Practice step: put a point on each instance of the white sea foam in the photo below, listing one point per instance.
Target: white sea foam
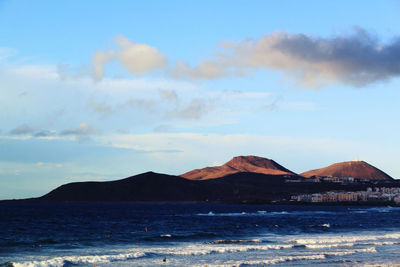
(166, 235)
(360, 211)
(350, 251)
(322, 246)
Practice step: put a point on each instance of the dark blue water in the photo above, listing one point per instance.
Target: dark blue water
(125, 234)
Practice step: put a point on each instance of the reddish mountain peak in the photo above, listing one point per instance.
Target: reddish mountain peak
(357, 169)
(240, 161)
(239, 164)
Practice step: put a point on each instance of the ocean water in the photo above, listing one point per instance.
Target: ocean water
(126, 234)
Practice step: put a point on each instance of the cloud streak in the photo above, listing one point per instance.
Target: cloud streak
(27, 130)
(22, 129)
(357, 59)
(83, 129)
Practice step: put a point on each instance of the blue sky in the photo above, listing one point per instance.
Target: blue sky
(96, 91)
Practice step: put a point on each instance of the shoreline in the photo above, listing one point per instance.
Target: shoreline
(249, 203)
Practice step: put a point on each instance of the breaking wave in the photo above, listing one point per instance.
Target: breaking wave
(73, 260)
(329, 239)
(281, 259)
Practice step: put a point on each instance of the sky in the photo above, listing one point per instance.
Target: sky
(96, 91)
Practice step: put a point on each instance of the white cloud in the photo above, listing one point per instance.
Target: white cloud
(136, 58)
(100, 58)
(139, 59)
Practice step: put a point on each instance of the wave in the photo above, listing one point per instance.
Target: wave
(258, 213)
(199, 249)
(281, 259)
(74, 260)
(384, 209)
(196, 250)
(276, 260)
(384, 243)
(269, 213)
(351, 251)
(226, 214)
(376, 209)
(176, 237)
(329, 239)
(218, 242)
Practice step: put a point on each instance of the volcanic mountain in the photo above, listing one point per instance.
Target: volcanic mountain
(239, 164)
(356, 169)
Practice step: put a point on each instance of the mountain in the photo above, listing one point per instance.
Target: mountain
(239, 164)
(356, 169)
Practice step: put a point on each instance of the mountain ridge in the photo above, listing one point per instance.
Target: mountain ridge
(245, 184)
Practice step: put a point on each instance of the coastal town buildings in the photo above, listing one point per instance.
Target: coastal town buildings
(378, 194)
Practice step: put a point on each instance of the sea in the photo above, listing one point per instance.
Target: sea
(132, 234)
